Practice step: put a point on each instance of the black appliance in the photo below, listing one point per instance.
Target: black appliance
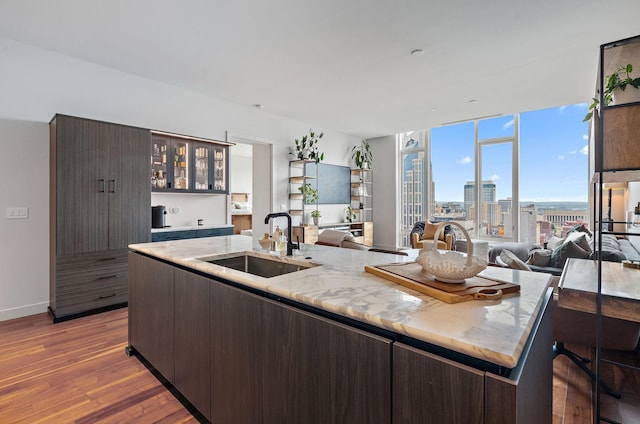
(158, 216)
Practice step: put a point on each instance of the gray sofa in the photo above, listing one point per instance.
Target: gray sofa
(551, 260)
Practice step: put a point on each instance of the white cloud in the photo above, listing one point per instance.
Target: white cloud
(585, 150)
(561, 157)
(585, 137)
(508, 124)
(465, 160)
(572, 152)
(494, 177)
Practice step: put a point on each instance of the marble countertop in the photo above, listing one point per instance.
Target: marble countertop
(495, 331)
(191, 227)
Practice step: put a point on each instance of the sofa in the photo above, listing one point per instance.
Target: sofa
(424, 231)
(579, 243)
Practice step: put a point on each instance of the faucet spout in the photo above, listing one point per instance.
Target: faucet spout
(290, 244)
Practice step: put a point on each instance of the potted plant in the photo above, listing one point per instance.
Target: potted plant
(362, 156)
(316, 214)
(307, 147)
(351, 214)
(619, 80)
(309, 193)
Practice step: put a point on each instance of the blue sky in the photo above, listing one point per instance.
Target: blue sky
(553, 156)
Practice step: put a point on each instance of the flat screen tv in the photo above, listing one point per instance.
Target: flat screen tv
(333, 182)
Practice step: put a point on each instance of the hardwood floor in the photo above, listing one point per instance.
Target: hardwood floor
(77, 372)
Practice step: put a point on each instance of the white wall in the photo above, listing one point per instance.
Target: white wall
(36, 84)
(24, 258)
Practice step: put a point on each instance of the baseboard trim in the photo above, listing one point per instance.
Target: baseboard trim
(23, 311)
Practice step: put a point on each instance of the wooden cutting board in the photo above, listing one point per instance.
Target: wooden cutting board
(411, 274)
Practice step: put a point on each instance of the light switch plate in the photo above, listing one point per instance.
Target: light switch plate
(17, 213)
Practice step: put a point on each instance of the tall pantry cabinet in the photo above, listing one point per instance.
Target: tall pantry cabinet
(100, 197)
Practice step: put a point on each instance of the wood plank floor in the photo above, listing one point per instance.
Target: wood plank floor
(77, 372)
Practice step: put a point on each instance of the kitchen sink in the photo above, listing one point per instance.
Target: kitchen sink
(266, 266)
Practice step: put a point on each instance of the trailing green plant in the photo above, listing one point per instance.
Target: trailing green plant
(361, 154)
(309, 193)
(620, 79)
(316, 213)
(307, 147)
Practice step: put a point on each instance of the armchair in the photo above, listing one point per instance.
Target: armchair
(423, 231)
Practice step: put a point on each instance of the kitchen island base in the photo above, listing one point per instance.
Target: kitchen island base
(238, 354)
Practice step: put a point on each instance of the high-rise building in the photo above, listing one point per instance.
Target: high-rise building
(487, 195)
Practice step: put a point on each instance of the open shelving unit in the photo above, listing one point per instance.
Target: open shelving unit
(362, 194)
(297, 179)
(615, 145)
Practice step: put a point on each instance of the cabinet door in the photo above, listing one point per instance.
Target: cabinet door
(80, 178)
(202, 167)
(237, 344)
(193, 340)
(181, 164)
(151, 314)
(220, 169)
(430, 389)
(319, 371)
(128, 185)
(160, 157)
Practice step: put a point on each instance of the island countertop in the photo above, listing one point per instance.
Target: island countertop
(494, 331)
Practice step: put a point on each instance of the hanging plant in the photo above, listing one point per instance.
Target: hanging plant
(307, 147)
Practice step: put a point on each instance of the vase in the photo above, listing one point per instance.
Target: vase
(316, 220)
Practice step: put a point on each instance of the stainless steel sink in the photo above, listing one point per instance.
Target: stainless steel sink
(262, 265)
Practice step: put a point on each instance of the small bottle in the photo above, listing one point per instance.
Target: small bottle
(281, 243)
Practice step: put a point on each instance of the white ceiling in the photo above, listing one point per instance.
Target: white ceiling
(344, 65)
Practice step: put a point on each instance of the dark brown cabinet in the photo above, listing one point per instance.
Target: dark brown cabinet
(431, 389)
(151, 312)
(99, 205)
(261, 360)
(192, 340)
(320, 371)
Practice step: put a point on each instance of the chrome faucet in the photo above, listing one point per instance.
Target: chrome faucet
(290, 244)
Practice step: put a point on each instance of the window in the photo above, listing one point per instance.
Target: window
(530, 168)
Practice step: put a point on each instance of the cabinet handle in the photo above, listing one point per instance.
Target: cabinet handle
(107, 277)
(169, 184)
(101, 185)
(107, 259)
(113, 185)
(210, 186)
(107, 296)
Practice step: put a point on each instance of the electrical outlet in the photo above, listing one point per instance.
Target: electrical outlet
(17, 213)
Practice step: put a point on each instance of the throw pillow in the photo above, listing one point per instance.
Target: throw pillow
(567, 250)
(580, 228)
(581, 239)
(513, 261)
(430, 231)
(554, 242)
(539, 257)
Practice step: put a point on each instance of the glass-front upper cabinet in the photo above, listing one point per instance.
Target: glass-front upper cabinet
(221, 169)
(182, 164)
(159, 163)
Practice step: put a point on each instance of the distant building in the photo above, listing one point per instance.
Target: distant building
(563, 220)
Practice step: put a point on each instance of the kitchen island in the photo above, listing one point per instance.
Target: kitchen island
(332, 343)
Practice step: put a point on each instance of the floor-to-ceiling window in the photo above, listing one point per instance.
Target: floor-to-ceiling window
(519, 177)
